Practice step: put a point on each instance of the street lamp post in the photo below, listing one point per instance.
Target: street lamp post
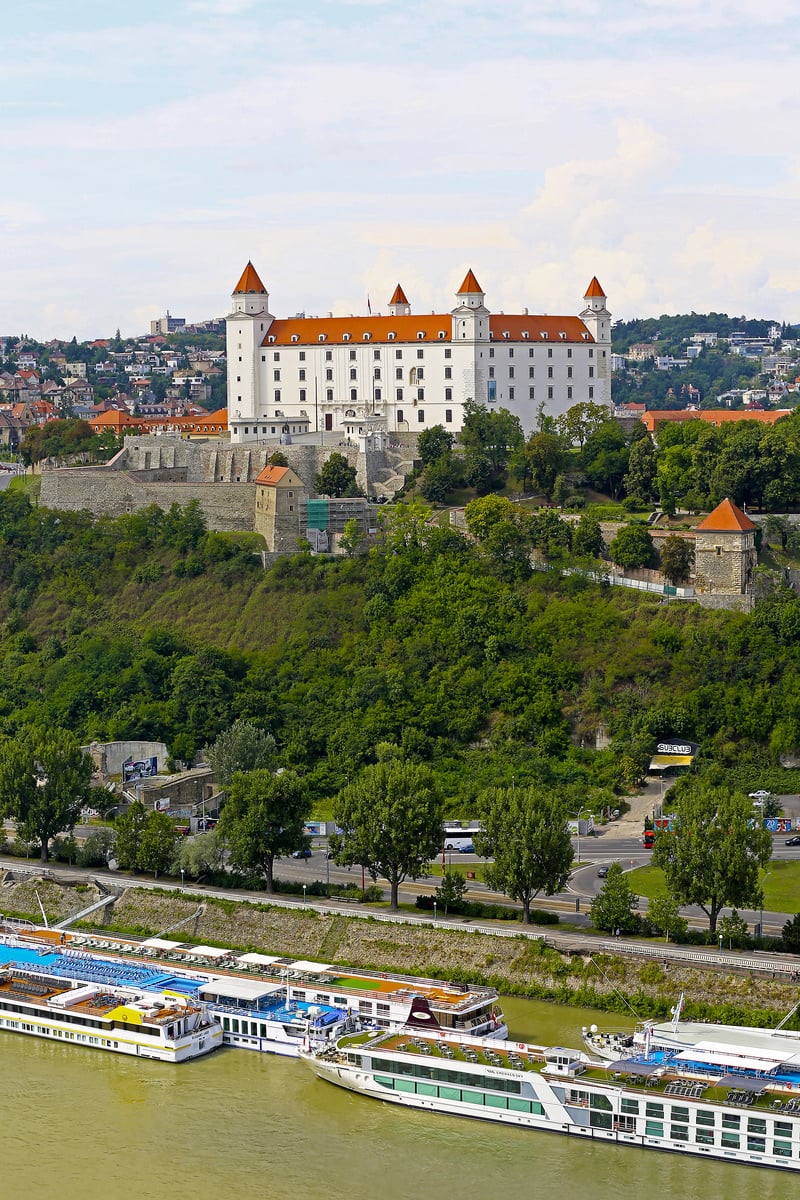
(182, 874)
(434, 910)
(720, 943)
(304, 895)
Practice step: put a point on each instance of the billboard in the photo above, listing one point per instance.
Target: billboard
(778, 824)
(142, 768)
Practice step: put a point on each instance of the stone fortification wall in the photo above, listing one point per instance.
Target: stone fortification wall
(171, 470)
(118, 492)
(735, 603)
(108, 757)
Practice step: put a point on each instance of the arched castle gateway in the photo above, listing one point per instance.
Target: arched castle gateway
(405, 373)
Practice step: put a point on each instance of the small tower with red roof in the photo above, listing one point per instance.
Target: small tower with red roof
(470, 316)
(725, 552)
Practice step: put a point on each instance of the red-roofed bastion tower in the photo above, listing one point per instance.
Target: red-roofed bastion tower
(597, 320)
(725, 552)
(246, 327)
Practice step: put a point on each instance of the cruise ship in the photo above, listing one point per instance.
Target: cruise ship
(725, 1097)
(122, 1020)
(263, 1002)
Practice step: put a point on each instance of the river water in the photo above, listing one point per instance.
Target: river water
(78, 1124)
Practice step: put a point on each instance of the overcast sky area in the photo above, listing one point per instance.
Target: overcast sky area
(151, 149)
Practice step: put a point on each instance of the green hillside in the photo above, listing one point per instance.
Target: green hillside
(149, 626)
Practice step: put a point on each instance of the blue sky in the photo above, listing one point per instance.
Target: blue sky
(150, 149)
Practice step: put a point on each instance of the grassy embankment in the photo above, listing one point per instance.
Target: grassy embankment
(514, 965)
(781, 885)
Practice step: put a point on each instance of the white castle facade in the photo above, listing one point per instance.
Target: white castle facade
(402, 373)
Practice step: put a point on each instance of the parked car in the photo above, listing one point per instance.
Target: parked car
(301, 853)
(793, 841)
(602, 872)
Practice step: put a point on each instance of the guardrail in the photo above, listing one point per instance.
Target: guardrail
(706, 957)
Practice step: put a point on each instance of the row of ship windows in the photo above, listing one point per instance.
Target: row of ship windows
(443, 1074)
(461, 1095)
(66, 1034)
(416, 374)
(679, 1113)
(378, 354)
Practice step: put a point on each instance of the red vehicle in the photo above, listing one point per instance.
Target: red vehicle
(648, 839)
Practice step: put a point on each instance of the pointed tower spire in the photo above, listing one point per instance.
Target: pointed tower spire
(249, 282)
(398, 305)
(594, 289)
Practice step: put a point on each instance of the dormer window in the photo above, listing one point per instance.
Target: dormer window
(323, 337)
(367, 336)
(392, 336)
(295, 337)
(442, 335)
(525, 334)
(420, 335)
(585, 337)
(345, 337)
(544, 335)
(271, 338)
(506, 334)
(563, 336)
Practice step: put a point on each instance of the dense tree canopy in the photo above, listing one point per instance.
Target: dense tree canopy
(526, 834)
(391, 821)
(715, 854)
(44, 782)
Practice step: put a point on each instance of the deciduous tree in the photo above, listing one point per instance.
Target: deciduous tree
(44, 782)
(716, 853)
(337, 477)
(632, 547)
(613, 906)
(391, 821)
(525, 832)
(263, 819)
(677, 557)
(243, 747)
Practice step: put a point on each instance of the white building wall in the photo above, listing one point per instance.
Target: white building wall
(273, 383)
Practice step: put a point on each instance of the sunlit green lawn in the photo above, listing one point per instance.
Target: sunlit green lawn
(781, 885)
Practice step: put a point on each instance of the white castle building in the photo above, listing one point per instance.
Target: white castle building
(404, 373)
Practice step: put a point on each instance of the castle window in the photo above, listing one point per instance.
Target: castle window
(346, 338)
(531, 372)
(392, 336)
(448, 372)
(525, 334)
(591, 352)
(441, 335)
(328, 356)
(376, 373)
(263, 358)
(377, 393)
(421, 416)
(448, 393)
(531, 393)
(544, 335)
(412, 375)
(353, 373)
(301, 374)
(352, 355)
(238, 379)
(322, 337)
(420, 354)
(448, 352)
(511, 393)
(271, 338)
(549, 393)
(376, 354)
(302, 356)
(353, 394)
(420, 393)
(295, 337)
(276, 356)
(399, 394)
(530, 353)
(329, 373)
(399, 413)
(569, 352)
(510, 372)
(717, 548)
(549, 372)
(506, 334)
(591, 393)
(329, 395)
(569, 393)
(511, 352)
(420, 335)
(491, 372)
(491, 352)
(366, 336)
(585, 337)
(302, 395)
(398, 372)
(291, 495)
(276, 375)
(398, 353)
(549, 351)
(591, 372)
(569, 372)
(563, 336)
(448, 416)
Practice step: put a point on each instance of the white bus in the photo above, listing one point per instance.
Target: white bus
(460, 837)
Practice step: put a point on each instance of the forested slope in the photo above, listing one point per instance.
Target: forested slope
(149, 626)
